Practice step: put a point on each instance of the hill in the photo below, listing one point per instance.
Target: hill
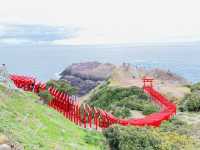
(31, 126)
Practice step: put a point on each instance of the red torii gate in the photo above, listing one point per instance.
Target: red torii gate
(148, 82)
(95, 117)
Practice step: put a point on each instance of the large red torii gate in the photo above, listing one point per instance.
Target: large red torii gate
(148, 82)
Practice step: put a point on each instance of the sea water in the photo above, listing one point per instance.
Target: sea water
(46, 62)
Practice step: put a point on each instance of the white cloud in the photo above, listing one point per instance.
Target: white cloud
(34, 34)
(110, 21)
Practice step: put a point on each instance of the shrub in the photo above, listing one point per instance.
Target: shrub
(175, 125)
(131, 138)
(122, 112)
(45, 96)
(191, 102)
(120, 101)
(137, 138)
(195, 87)
(149, 109)
(62, 86)
(93, 138)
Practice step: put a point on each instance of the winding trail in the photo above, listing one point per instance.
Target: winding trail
(91, 117)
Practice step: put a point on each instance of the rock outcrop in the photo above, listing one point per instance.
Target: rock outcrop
(86, 76)
(163, 75)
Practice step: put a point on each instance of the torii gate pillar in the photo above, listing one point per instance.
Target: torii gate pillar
(148, 82)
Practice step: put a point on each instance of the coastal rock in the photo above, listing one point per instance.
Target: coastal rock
(89, 70)
(86, 76)
(167, 75)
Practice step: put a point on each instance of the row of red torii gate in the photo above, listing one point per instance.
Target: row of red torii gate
(91, 117)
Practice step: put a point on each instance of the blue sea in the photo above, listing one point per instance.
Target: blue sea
(45, 61)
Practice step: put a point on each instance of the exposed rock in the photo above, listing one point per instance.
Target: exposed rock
(86, 76)
(89, 70)
(167, 75)
(5, 147)
(159, 74)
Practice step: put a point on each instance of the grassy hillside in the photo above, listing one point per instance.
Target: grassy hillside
(37, 127)
(121, 101)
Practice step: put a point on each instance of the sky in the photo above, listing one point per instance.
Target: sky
(68, 22)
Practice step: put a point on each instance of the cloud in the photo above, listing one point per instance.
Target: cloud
(35, 34)
(109, 21)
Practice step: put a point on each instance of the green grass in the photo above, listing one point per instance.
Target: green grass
(121, 101)
(37, 127)
(148, 138)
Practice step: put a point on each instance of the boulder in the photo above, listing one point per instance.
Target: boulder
(5, 147)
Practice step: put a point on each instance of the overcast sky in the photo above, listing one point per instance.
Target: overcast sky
(99, 21)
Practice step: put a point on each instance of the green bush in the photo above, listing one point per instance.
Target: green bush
(137, 138)
(120, 101)
(45, 96)
(93, 138)
(195, 87)
(149, 109)
(191, 102)
(132, 102)
(131, 138)
(175, 125)
(122, 112)
(62, 86)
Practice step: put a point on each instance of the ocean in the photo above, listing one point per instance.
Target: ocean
(45, 62)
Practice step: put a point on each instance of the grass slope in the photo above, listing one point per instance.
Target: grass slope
(121, 101)
(37, 127)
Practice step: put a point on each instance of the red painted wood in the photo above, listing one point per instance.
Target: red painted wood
(72, 110)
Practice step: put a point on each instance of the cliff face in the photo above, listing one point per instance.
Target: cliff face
(86, 76)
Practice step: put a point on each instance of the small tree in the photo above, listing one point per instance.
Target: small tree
(62, 86)
(195, 87)
(149, 109)
(45, 96)
(191, 102)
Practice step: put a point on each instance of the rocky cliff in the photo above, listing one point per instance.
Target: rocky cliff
(86, 76)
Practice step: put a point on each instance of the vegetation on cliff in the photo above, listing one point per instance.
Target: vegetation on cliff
(121, 101)
(191, 102)
(60, 85)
